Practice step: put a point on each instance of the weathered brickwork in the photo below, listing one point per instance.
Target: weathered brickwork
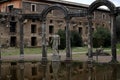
(55, 21)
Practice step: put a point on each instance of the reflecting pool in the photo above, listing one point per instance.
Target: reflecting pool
(74, 70)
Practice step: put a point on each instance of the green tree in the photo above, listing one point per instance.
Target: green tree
(101, 37)
(76, 39)
(62, 35)
(118, 28)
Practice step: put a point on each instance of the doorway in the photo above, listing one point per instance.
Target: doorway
(33, 41)
(13, 41)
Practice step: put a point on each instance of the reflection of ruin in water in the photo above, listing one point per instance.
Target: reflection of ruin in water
(79, 71)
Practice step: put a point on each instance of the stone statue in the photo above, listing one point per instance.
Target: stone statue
(55, 43)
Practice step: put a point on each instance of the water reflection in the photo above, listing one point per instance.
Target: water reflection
(73, 71)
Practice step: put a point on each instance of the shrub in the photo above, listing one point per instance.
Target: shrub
(101, 37)
(76, 39)
(62, 35)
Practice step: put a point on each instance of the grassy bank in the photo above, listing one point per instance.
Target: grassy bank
(16, 51)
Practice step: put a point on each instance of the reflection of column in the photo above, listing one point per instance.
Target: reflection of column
(114, 72)
(113, 38)
(0, 69)
(68, 68)
(91, 76)
(44, 71)
(44, 52)
(21, 70)
(9, 76)
(90, 38)
(68, 43)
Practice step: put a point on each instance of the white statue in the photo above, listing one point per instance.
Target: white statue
(55, 43)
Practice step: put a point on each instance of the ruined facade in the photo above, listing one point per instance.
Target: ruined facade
(55, 21)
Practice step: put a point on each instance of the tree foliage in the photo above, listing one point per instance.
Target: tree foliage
(118, 28)
(76, 39)
(101, 37)
(62, 35)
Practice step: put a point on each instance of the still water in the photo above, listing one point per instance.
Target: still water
(63, 71)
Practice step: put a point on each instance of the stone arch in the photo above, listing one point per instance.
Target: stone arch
(43, 19)
(54, 7)
(113, 12)
(99, 3)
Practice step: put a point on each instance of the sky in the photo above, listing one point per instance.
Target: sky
(116, 2)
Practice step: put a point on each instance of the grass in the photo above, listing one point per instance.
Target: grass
(79, 49)
(16, 51)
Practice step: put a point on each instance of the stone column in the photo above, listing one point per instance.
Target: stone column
(68, 42)
(21, 61)
(21, 39)
(44, 51)
(113, 37)
(90, 46)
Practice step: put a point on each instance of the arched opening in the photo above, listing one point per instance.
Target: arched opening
(99, 3)
(51, 30)
(54, 7)
(96, 4)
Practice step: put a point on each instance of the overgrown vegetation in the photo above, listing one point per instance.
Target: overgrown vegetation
(101, 37)
(62, 35)
(76, 39)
